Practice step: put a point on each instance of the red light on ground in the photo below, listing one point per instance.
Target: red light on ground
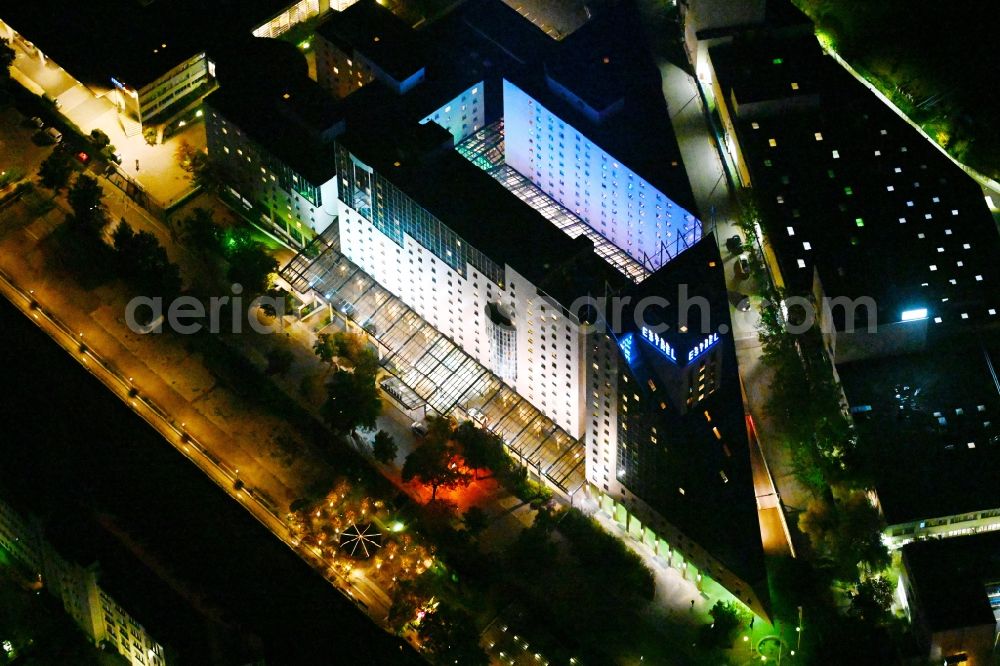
(83, 157)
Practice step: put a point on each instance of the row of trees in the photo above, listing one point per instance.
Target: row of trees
(842, 525)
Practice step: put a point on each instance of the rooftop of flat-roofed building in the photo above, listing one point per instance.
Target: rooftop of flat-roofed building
(929, 426)
(501, 25)
(422, 164)
(133, 42)
(640, 134)
(266, 92)
(768, 69)
(950, 577)
(379, 35)
(848, 188)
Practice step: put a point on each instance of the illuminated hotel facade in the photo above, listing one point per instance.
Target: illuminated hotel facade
(607, 195)
(654, 399)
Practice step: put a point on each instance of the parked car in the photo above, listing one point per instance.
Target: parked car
(742, 268)
(53, 134)
(734, 244)
(743, 303)
(36, 122)
(419, 428)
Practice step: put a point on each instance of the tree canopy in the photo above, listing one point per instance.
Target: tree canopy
(352, 402)
(252, 267)
(86, 198)
(55, 170)
(144, 262)
(450, 634)
(435, 463)
(384, 447)
(481, 448)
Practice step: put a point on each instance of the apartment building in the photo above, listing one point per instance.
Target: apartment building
(98, 615)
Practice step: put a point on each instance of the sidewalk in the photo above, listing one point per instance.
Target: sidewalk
(167, 386)
(717, 205)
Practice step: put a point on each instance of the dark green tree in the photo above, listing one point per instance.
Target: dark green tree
(435, 463)
(55, 170)
(99, 138)
(144, 262)
(727, 620)
(326, 349)
(451, 636)
(86, 199)
(352, 402)
(845, 535)
(201, 233)
(476, 520)
(481, 449)
(279, 361)
(384, 447)
(872, 599)
(251, 266)
(7, 56)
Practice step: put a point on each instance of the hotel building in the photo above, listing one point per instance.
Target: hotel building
(269, 130)
(483, 256)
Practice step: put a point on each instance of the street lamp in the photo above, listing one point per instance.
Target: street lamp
(798, 630)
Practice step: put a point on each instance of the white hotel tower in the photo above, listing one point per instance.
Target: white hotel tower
(501, 232)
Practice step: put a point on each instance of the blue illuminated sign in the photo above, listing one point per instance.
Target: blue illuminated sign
(117, 83)
(625, 344)
(703, 346)
(653, 338)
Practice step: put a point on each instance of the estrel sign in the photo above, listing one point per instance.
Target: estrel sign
(625, 344)
(653, 338)
(702, 346)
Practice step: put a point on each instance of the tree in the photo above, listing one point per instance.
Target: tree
(7, 56)
(352, 402)
(201, 232)
(450, 634)
(872, 600)
(727, 620)
(279, 361)
(384, 447)
(435, 463)
(252, 267)
(86, 200)
(187, 156)
(99, 138)
(213, 177)
(144, 261)
(860, 534)
(481, 448)
(55, 170)
(326, 348)
(846, 534)
(476, 520)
